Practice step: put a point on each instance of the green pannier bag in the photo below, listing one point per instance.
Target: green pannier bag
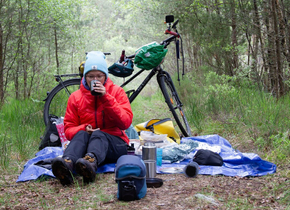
(149, 56)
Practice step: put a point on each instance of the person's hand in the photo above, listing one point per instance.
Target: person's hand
(90, 129)
(100, 88)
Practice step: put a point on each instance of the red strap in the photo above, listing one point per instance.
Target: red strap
(172, 33)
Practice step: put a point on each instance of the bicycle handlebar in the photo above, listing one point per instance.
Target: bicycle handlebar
(174, 24)
(65, 75)
(165, 42)
(172, 33)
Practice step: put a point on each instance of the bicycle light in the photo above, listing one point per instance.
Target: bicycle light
(93, 92)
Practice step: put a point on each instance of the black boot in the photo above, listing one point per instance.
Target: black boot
(62, 168)
(87, 167)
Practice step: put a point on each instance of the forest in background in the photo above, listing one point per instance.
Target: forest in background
(236, 85)
(236, 57)
(246, 39)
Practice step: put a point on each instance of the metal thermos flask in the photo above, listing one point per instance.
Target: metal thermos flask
(149, 158)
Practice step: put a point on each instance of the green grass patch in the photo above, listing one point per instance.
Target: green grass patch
(21, 127)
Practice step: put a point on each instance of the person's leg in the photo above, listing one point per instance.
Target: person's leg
(107, 148)
(77, 147)
(102, 148)
(62, 167)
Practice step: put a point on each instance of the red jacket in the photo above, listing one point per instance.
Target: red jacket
(111, 113)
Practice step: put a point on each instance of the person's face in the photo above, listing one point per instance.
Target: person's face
(95, 75)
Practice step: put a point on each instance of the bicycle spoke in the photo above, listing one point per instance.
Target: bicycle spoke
(56, 101)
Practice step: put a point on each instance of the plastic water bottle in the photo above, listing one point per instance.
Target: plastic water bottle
(159, 156)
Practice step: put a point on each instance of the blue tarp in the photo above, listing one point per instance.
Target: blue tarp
(235, 162)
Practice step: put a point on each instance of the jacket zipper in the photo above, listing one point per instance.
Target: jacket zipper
(103, 118)
(96, 112)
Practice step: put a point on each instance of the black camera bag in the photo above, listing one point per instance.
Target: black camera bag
(130, 174)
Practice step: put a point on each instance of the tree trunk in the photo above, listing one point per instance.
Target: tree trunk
(270, 49)
(279, 82)
(234, 39)
(1, 66)
(285, 39)
(16, 82)
(259, 72)
(56, 49)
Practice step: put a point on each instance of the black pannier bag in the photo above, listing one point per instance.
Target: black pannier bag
(50, 137)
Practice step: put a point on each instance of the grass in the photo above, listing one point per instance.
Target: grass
(215, 107)
(253, 121)
(21, 127)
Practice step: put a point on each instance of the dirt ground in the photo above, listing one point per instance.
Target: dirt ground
(177, 192)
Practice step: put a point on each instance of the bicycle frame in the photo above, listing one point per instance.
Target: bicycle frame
(134, 93)
(63, 90)
(142, 85)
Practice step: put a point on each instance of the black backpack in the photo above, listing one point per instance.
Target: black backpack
(207, 157)
(50, 137)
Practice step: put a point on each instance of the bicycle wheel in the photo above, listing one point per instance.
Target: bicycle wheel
(174, 104)
(56, 101)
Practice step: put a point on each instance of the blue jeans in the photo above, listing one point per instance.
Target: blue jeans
(106, 148)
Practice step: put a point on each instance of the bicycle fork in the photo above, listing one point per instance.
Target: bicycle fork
(163, 73)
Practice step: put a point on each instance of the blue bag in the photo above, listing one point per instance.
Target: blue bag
(130, 174)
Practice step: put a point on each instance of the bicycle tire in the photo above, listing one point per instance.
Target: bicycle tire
(174, 104)
(56, 101)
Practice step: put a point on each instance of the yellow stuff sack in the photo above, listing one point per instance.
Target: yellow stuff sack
(81, 68)
(160, 126)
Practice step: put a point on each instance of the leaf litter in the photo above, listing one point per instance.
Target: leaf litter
(177, 192)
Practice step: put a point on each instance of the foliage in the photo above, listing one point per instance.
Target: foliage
(216, 106)
(280, 147)
(21, 126)
(47, 37)
(231, 87)
(235, 102)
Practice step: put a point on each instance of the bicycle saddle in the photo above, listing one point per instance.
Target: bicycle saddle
(123, 69)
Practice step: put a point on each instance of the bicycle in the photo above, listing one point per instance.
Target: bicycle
(55, 102)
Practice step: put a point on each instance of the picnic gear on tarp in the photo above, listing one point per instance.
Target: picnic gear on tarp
(50, 137)
(150, 55)
(191, 169)
(208, 158)
(131, 149)
(149, 158)
(160, 126)
(131, 132)
(154, 182)
(130, 174)
(46, 163)
(159, 156)
(235, 163)
(160, 140)
(177, 152)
